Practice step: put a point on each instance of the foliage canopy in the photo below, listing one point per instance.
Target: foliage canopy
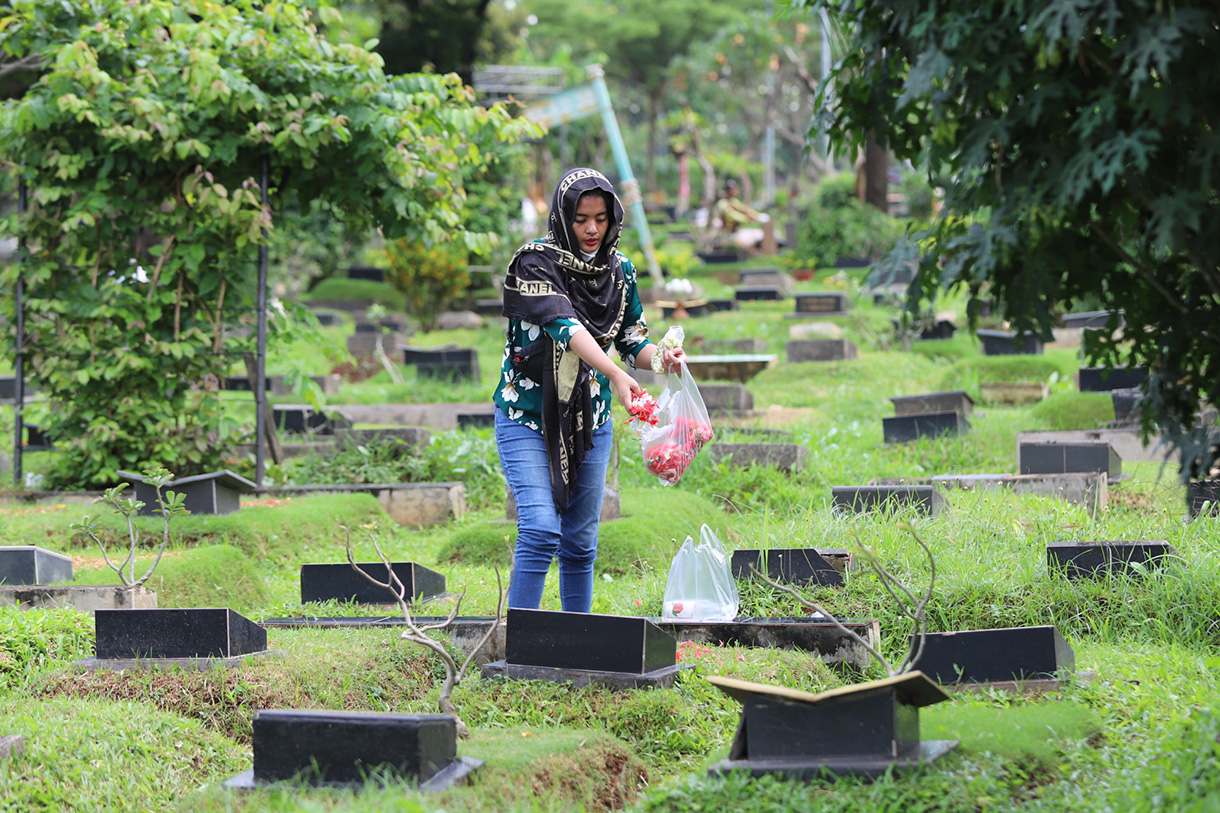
(1077, 143)
(142, 144)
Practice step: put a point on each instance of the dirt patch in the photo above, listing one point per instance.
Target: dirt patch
(603, 777)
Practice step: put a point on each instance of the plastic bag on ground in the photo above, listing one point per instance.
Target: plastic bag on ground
(681, 431)
(701, 585)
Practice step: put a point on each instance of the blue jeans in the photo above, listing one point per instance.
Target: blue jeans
(542, 532)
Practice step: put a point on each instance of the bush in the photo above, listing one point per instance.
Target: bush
(854, 229)
(429, 277)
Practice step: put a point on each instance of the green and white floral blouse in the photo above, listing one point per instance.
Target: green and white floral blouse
(521, 399)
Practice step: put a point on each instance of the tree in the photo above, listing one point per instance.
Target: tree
(142, 144)
(1078, 146)
(638, 39)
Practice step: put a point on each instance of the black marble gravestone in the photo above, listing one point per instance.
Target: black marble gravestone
(366, 272)
(476, 420)
(323, 582)
(217, 492)
(719, 257)
(1202, 494)
(943, 329)
(1069, 458)
(925, 499)
(1084, 560)
(8, 388)
(758, 293)
(717, 305)
(37, 440)
(787, 566)
(1091, 319)
(1101, 379)
(1006, 343)
(27, 564)
(301, 418)
(454, 363)
(1125, 402)
(176, 633)
(985, 656)
(826, 303)
(956, 400)
(905, 428)
(336, 748)
(861, 730)
(606, 643)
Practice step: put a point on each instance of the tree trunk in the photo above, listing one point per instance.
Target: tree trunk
(273, 440)
(876, 173)
(654, 112)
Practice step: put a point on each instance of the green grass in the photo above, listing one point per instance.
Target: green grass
(356, 290)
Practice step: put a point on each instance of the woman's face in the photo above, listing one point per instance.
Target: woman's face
(590, 223)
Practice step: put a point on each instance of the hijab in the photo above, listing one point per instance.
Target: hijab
(548, 279)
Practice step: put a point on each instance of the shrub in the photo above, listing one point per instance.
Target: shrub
(429, 277)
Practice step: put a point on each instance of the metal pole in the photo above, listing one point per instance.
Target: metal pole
(631, 188)
(260, 385)
(824, 138)
(19, 342)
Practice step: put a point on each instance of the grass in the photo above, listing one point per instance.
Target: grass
(1140, 736)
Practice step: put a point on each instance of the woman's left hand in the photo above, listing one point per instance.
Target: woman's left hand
(672, 360)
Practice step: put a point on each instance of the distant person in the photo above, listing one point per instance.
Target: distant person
(568, 297)
(735, 216)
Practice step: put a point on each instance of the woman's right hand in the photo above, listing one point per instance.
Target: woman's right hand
(626, 388)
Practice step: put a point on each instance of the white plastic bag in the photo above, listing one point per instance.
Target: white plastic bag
(701, 585)
(682, 430)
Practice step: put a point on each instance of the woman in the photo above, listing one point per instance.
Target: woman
(568, 297)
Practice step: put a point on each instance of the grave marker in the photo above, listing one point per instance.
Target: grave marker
(217, 492)
(1101, 379)
(584, 648)
(955, 400)
(861, 730)
(342, 748)
(985, 656)
(177, 633)
(1013, 392)
(1082, 560)
(1202, 494)
(787, 566)
(338, 581)
(300, 418)
(1006, 343)
(924, 499)
(726, 398)
(758, 293)
(906, 428)
(27, 564)
(453, 363)
(739, 368)
(826, 303)
(767, 278)
(1068, 458)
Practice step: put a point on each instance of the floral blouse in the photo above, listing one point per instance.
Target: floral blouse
(520, 398)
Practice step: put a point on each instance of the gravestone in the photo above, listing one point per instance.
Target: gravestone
(453, 363)
(1082, 560)
(217, 492)
(370, 273)
(906, 428)
(740, 368)
(985, 656)
(942, 329)
(736, 346)
(176, 633)
(798, 350)
(767, 278)
(27, 564)
(1091, 319)
(787, 457)
(338, 581)
(864, 729)
(758, 293)
(1203, 494)
(327, 318)
(726, 398)
(717, 305)
(8, 388)
(37, 440)
(583, 648)
(1124, 402)
(1065, 458)
(343, 748)
(825, 303)
(924, 499)
(815, 330)
(1101, 379)
(719, 257)
(787, 566)
(301, 418)
(949, 400)
(1006, 343)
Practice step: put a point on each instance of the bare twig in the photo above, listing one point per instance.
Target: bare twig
(811, 605)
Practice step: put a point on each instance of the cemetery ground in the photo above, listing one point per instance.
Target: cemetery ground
(1135, 730)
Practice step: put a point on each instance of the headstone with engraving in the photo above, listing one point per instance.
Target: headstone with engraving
(824, 303)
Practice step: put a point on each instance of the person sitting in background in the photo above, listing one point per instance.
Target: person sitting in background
(734, 217)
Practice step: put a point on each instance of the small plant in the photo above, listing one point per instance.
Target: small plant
(170, 505)
(418, 634)
(430, 277)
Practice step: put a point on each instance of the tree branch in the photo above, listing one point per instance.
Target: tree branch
(1140, 268)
